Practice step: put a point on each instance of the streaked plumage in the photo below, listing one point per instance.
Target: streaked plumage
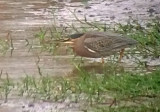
(99, 44)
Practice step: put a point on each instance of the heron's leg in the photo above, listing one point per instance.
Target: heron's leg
(74, 57)
(102, 59)
(82, 61)
(121, 55)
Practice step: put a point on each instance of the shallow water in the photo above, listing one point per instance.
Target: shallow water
(23, 19)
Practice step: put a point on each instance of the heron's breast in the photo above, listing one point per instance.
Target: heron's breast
(80, 49)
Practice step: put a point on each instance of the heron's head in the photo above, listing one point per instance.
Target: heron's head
(72, 38)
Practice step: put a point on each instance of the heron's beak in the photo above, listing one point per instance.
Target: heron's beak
(69, 42)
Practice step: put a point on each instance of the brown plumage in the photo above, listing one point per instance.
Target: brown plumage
(99, 44)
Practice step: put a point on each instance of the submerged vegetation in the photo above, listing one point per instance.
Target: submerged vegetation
(114, 89)
(5, 44)
(148, 36)
(111, 91)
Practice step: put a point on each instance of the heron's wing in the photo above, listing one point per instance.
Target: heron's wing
(101, 42)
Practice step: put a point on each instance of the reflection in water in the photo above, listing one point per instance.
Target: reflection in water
(98, 68)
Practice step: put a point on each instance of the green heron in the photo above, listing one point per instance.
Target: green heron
(99, 44)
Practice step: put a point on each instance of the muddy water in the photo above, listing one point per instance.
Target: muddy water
(23, 19)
